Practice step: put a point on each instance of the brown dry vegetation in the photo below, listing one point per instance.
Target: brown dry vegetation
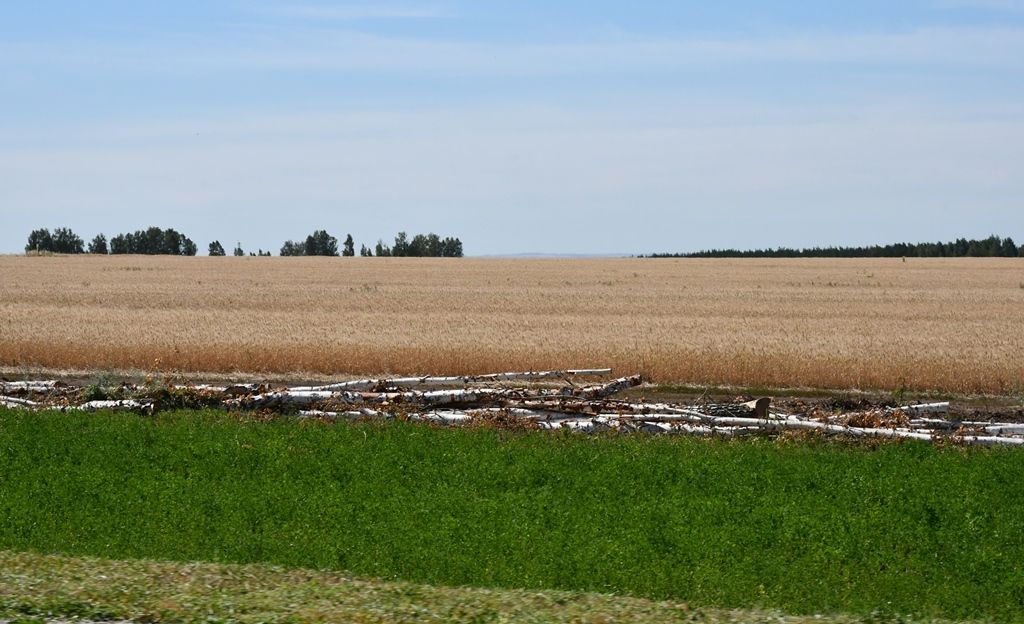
(944, 324)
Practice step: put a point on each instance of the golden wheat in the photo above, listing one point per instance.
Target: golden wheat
(942, 324)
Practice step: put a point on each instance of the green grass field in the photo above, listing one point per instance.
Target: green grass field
(803, 527)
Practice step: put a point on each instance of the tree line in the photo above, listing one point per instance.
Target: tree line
(157, 241)
(151, 241)
(321, 243)
(993, 246)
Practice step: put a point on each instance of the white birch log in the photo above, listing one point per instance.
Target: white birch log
(6, 401)
(953, 425)
(527, 414)
(294, 398)
(608, 389)
(405, 382)
(672, 424)
(450, 397)
(584, 425)
(200, 387)
(689, 422)
(989, 440)
(29, 386)
(232, 390)
(1004, 429)
(585, 409)
(125, 405)
(447, 417)
(350, 414)
(462, 396)
(922, 408)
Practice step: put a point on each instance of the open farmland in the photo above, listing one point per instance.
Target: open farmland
(941, 324)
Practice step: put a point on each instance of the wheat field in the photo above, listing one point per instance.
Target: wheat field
(927, 324)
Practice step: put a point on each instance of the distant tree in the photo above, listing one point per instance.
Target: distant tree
(433, 245)
(66, 241)
(216, 249)
(382, 250)
(451, 248)
(365, 251)
(291, 248)
(171, 243)
(98, 245)
(159, 241)
(320, 243)
(119, 244)
(40, 240)
(417, 247)
(238, 250)
(1008, 248)
(401, 247)
(349, 247)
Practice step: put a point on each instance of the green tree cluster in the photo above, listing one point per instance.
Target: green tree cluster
(319, 243)
(989, 247)
(421, 246)
(153, 241)
(98, 245)
(62, 240)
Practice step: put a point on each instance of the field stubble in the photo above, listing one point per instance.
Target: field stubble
(927, 324)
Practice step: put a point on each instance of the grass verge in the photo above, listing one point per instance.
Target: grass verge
(803, 527)
(36, 587)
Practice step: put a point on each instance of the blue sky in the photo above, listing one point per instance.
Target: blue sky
(576, 127)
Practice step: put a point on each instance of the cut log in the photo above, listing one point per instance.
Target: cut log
(350, 414)
(30, 386)
(608, 389)
(759, 406)
(232, 390)
(6, 401)
(1005, 429)
(125, 405)
(584, 409)
(409, 382)
(922, 408)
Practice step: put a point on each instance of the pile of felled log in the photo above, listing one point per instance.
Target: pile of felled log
(530, 399)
